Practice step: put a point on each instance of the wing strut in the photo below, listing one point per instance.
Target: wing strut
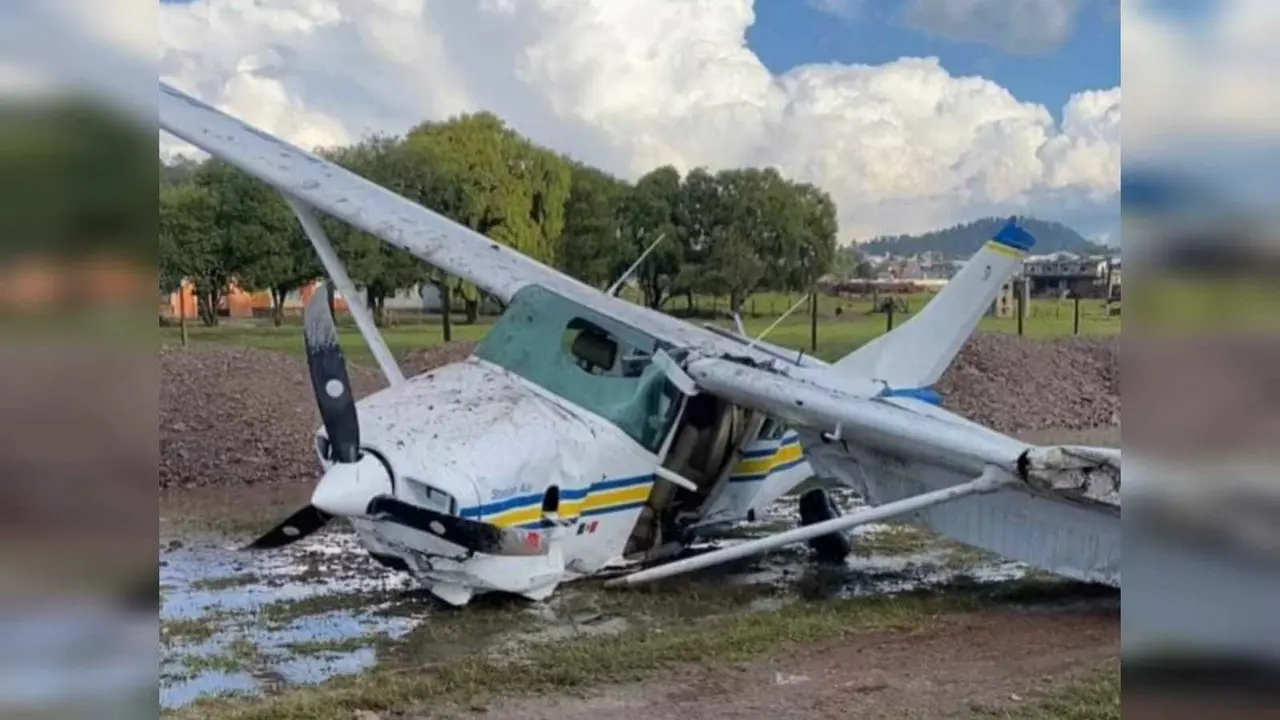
(992, 479)
(333, 266)
(617, 284)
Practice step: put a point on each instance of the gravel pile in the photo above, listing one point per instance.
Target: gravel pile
(241, 415)
(1016, 385)
(232, 415)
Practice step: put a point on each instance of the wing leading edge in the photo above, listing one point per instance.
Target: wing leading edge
(870, 422)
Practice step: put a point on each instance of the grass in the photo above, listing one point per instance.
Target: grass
(895, 539)
(675, 629)
(836, 335)
(284, 612)
(344, 645)
(225, 582)
(190, 630)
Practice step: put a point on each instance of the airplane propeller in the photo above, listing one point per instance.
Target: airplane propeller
(357, 483)
(332, 386)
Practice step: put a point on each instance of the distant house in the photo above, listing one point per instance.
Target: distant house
(1064, 272)
(425, 298)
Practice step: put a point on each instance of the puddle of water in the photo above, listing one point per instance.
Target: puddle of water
(248, 622)
(254, 622)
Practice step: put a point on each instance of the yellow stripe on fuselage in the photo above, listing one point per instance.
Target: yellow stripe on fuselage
(602, 501)
(786, 453)
(594, 503)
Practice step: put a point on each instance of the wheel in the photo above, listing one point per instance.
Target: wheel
(816, 506)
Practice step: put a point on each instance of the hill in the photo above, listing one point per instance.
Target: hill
(961, 241)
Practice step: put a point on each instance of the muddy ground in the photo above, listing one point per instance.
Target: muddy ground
(911, 626)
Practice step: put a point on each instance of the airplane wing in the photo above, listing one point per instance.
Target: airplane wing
(870, 422)
(912, 430)
(437, 240)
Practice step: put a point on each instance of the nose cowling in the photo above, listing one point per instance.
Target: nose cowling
(346, 489)
(358, 483)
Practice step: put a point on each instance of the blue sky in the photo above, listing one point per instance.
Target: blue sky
(788, 33)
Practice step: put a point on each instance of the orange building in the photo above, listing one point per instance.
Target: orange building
(241, 304)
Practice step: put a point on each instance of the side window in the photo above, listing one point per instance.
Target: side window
(772, 430)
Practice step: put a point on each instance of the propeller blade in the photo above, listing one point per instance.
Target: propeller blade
(473, 535)
(329, 377)
(297, 526)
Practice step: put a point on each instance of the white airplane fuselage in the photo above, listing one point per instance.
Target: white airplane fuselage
(486, 442)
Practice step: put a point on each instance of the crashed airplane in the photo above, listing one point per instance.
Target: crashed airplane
(586, 430)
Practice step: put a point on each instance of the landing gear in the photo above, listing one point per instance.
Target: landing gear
(816, 506)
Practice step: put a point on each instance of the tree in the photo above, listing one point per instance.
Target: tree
(648, 210)
(290, 264)
(816, 250)
(750, 228)
(731, 233)
(490, 179)
(590, 247)
(251, 235)
(380, 269)
(189, 247)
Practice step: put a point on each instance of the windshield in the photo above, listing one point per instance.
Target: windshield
(587, 359)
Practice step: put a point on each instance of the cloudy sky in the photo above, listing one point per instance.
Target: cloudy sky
(913, 114)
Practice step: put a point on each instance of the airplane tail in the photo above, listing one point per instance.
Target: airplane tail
(915, 354)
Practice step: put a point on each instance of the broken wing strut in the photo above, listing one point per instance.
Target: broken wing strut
(992, 479)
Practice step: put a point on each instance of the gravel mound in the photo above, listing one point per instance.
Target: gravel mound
(235, 415)
(232, 415)
(1015, 384)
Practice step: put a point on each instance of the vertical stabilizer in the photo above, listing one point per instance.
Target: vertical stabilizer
(915, 354)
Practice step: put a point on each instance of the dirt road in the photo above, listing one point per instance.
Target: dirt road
(998, 660)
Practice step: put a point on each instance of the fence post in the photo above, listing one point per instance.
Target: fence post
(888, 322)
(1075, 324)
(1019, 303)
(813, 322)
(182, 314)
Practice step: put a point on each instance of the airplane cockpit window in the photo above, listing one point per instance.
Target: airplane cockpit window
(588, 359)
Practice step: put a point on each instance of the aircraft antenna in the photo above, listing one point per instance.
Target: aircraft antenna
(617, 284)
(781, 317)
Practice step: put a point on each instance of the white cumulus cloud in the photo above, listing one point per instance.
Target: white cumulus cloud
(632, 84)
